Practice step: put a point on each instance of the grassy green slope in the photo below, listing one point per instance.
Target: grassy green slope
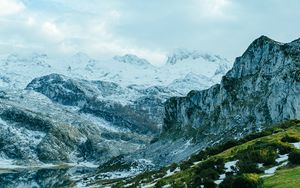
(255, 148)
(284, 178)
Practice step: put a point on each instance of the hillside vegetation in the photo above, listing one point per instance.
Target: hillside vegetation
(265, 159)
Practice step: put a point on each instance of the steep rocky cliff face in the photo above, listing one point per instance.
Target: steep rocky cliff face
(262, 88)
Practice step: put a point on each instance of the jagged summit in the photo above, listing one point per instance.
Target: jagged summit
(261, 42)
(264, 42)
(80, 57)
(263, 56)
(184, 54)
(265, 38)
(132, 59)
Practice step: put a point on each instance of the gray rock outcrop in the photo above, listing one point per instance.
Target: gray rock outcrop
(261, 89)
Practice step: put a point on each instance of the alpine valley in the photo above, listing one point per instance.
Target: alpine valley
(81, 122)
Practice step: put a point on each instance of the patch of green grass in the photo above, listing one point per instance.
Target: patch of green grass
(274, 138)
(271, 138)
(285, 178)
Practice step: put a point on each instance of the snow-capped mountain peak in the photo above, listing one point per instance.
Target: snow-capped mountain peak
(125, 70)
(133, 60)
(80, 57)
(34, 58)
(183, 62)
(190, 82)
(180, 55)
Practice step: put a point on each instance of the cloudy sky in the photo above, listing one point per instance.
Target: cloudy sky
(150, 29)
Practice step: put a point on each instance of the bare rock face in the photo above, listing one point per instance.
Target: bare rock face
(262, 88)
(136, 109)
(33, 129)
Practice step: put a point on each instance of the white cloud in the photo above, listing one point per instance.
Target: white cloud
(71, 32)
(10, 7)
(115, 15)
(51, 30)
(216, 9)
(30, 21)
(146, 28)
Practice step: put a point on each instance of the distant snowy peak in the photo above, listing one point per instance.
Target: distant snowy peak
(133, 60)
(80, 62)
(192, 61)
(18, 70)
(183, 54)
(191, 82)
(34, 58)
(80, 57)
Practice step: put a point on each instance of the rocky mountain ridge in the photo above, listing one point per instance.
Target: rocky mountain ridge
(262, 88)
(80, 116)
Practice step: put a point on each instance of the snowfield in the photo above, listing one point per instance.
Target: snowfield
(190, 69)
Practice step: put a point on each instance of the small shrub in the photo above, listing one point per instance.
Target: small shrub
(260, 152)
(220, 148)
(268, 156)
(173, 167)
(206, 179)
(294, 157)
(208, 183)
(216, 164)
(247, 166)
(247, 181)
(284, 149)
(290, 139)
(196, 182)
(288, 124)
(209, 173)
(199, 156)
(242, 181)
(160, 183)
(178, 184)
(227, 182)
(185, 165)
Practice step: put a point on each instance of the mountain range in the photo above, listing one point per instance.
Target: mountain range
(125, 116)
(82, 112)
(18, 70)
